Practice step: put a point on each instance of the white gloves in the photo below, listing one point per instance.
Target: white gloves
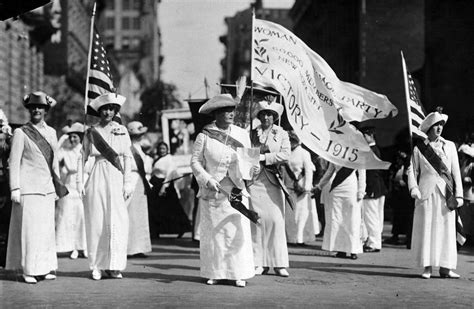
(460, 201)
(16, 196)
(127, 191)
(415, 193)
(360, 195)
(213, 184)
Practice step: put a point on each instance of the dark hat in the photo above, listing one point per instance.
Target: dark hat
(38, 98)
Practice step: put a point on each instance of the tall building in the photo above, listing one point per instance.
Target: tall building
(21, 62)
(132, 37)
(237, 41)
(65, 59)
(361, 41)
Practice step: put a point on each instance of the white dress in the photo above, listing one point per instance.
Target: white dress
(434, 225)
(301, 223)
(105, 209)
(225, 238)
(139, 232)
(70, 227)
(343, 225)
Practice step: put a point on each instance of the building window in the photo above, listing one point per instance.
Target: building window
(125, 23)
(126, 4)
(136, 4)
(110, 23)
(125, 42)
(109, 42)
(110, 4)
(136, 23)
(135, 43)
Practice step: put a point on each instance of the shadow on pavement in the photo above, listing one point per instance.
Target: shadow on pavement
(170, 266)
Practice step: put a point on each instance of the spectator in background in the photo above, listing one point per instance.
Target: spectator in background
(400, 201)
(139, 241)
(70, 225)
(301, 222)
(374, 199)
(5, 201)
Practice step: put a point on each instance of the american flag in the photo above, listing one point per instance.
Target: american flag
(415, 110)
(100, 78)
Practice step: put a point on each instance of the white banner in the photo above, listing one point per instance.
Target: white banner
(318, 104)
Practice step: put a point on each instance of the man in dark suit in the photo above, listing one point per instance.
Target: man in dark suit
(374, 200)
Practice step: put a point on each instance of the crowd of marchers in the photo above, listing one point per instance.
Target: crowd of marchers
(99, 193)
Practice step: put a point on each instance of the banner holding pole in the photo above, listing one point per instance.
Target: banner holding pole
(319, 106)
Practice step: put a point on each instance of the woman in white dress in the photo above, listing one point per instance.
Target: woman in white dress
(266, 191)
(139, 241)
(343, 210)
(302, 223)
(225, 239)
(434, 224)
(70, 227)
(107, 188)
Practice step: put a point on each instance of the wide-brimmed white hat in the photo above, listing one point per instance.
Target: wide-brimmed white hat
(76, 127)
(219, 101)
(108, 98)
(38, 98)
(273, 106)
(136, 128)
(432, 119)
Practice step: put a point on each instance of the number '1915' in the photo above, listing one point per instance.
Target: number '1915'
(338, 150)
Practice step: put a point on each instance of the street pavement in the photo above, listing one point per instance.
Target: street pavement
(169, 277)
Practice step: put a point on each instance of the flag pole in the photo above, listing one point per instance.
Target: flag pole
(251, 70)
(407, 97)
(91, 39)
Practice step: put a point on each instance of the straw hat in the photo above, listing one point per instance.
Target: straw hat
(108, 98)
(219, 101)
(270, 104)
(77, 128)
(136, 128)
(38, 98)
(432, 119)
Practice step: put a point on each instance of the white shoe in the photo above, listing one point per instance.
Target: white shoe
(282, 272)
(84, 254)
(426, 273)
(259, 270)
(50, 277)
(211, 282)
(30, 279)
(451, 275)
(240, 283)
(74, 255)
(96, 274)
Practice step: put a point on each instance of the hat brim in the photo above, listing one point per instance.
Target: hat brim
(140, 132)
(432, 119)
(211, 106)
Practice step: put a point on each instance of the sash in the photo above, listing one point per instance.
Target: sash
(235, 199)
(341, 175)
(289, 199)
(437, 163)
(296, 186)
(222, 137)
(104, 148)
(141, 169)
(48, 154)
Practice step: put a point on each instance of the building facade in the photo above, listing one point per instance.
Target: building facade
(237, 40)
(132, 36)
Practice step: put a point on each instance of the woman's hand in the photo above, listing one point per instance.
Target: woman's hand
(213, 184)
(415, 193)
(460, 201)
(16, 196)
(127, 192)
(255, 170)
(163, 190)
(360, 196)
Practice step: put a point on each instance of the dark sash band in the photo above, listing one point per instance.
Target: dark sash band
(341, 175)
(104, 148)
(48, 154)
(437, 163)
(222, 137)
(141, 169)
